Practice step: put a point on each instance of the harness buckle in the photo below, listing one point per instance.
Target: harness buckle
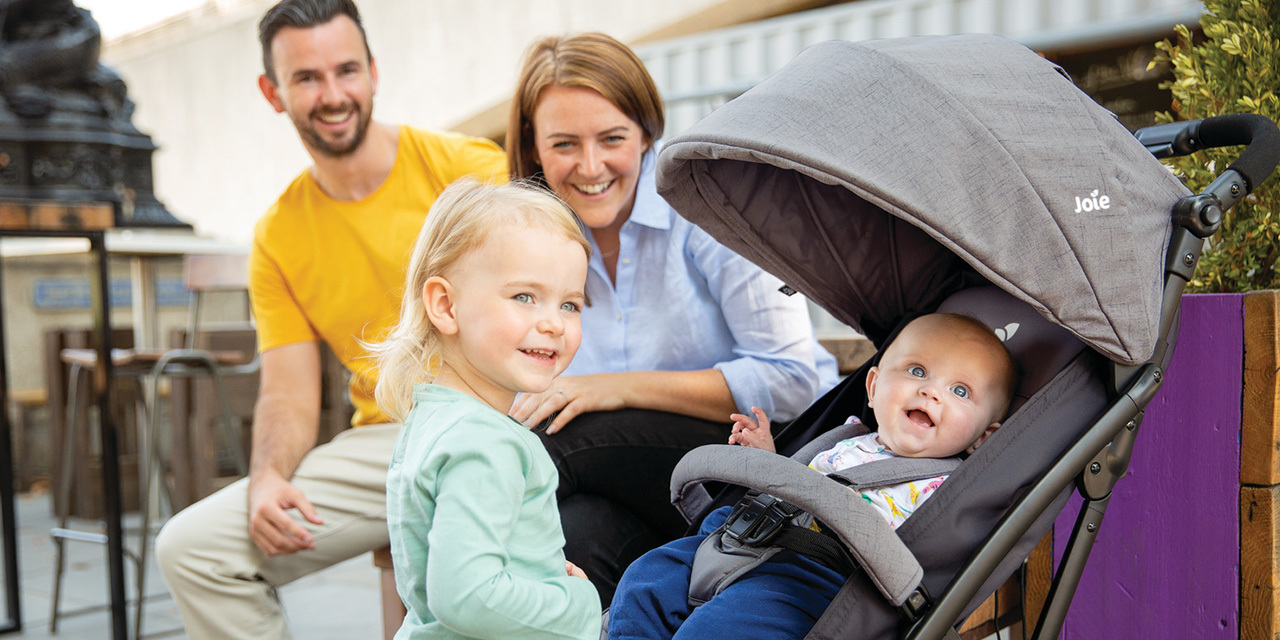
(758, 518)
(916, 604)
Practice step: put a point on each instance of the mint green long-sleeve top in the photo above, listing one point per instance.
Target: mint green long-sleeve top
(475, 532)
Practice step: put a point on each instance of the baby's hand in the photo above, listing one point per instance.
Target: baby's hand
(750, 432)
(573, 570)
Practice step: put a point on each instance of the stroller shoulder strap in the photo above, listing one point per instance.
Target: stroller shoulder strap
(882, 473)
(828, 440)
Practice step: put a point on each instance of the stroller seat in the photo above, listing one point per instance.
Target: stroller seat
(1042, 352)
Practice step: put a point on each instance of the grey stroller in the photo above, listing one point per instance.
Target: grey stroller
(893, 178)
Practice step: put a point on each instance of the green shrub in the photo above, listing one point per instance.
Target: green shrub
(1235, 68)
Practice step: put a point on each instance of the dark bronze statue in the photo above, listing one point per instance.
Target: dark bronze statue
(66, 131)
(49, 58)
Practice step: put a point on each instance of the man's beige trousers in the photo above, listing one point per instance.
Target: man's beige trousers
(224, 585)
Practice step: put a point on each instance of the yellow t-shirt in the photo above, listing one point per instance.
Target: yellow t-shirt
(324, 269)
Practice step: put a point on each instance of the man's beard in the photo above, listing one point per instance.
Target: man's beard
(340, 148)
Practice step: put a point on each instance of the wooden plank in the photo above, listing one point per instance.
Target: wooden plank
(29, 398)
(1007, 601)
(1260, 465)
(197, 433)
(55, 215)
(335, 398)
(56, 383)
(1259, 557)
(1039, 577)
(1260, 415)
(850, 353)
(981, 621)
(13, 215)
(1020, 599)
(728, 13)
(86, 489)
(393, 610)
(22, 402)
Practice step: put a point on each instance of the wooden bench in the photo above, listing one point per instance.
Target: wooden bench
(849, 352)
(393, 610)
(22, 403)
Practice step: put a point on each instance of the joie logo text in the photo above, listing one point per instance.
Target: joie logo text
(1093, 202)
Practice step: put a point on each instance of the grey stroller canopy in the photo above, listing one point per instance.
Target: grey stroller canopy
(976, 141)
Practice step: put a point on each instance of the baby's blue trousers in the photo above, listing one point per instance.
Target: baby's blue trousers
(782, 598)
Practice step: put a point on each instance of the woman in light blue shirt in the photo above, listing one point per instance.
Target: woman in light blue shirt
(680, 331)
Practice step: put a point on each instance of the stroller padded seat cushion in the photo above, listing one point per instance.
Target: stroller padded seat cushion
(1040, 349)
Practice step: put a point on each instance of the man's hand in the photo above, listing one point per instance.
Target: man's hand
(271, 527)
(285, 421)
(750, 433)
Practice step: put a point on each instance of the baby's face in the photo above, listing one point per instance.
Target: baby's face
(937, 390)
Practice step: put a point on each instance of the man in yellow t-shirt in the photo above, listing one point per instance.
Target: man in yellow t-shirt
(327, 264)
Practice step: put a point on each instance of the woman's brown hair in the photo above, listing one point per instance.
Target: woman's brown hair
(590, 60)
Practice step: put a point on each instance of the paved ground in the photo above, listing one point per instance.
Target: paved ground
(342, 602)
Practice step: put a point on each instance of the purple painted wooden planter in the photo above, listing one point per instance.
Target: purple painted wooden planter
(1166, 562)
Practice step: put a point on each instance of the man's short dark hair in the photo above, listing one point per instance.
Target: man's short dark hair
(303, 14)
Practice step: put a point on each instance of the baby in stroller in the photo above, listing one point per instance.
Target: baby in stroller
(940, 389)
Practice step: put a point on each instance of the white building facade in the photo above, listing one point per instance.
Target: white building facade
(225, 155)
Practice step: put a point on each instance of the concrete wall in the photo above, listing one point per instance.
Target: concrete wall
(225, 155)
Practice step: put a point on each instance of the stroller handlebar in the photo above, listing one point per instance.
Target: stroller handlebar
(1258, 132)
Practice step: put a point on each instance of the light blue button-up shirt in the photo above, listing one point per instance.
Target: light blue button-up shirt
(685, 302)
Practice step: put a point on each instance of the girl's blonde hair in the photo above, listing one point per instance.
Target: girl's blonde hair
(587, 60)
(461, 218)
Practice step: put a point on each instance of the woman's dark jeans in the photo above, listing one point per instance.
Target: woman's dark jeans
(615, 474)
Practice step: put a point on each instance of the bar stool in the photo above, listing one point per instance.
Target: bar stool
(393, 609)
(202, 275)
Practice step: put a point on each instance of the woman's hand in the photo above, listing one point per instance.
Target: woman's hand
(699, 394)
(572, 397)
